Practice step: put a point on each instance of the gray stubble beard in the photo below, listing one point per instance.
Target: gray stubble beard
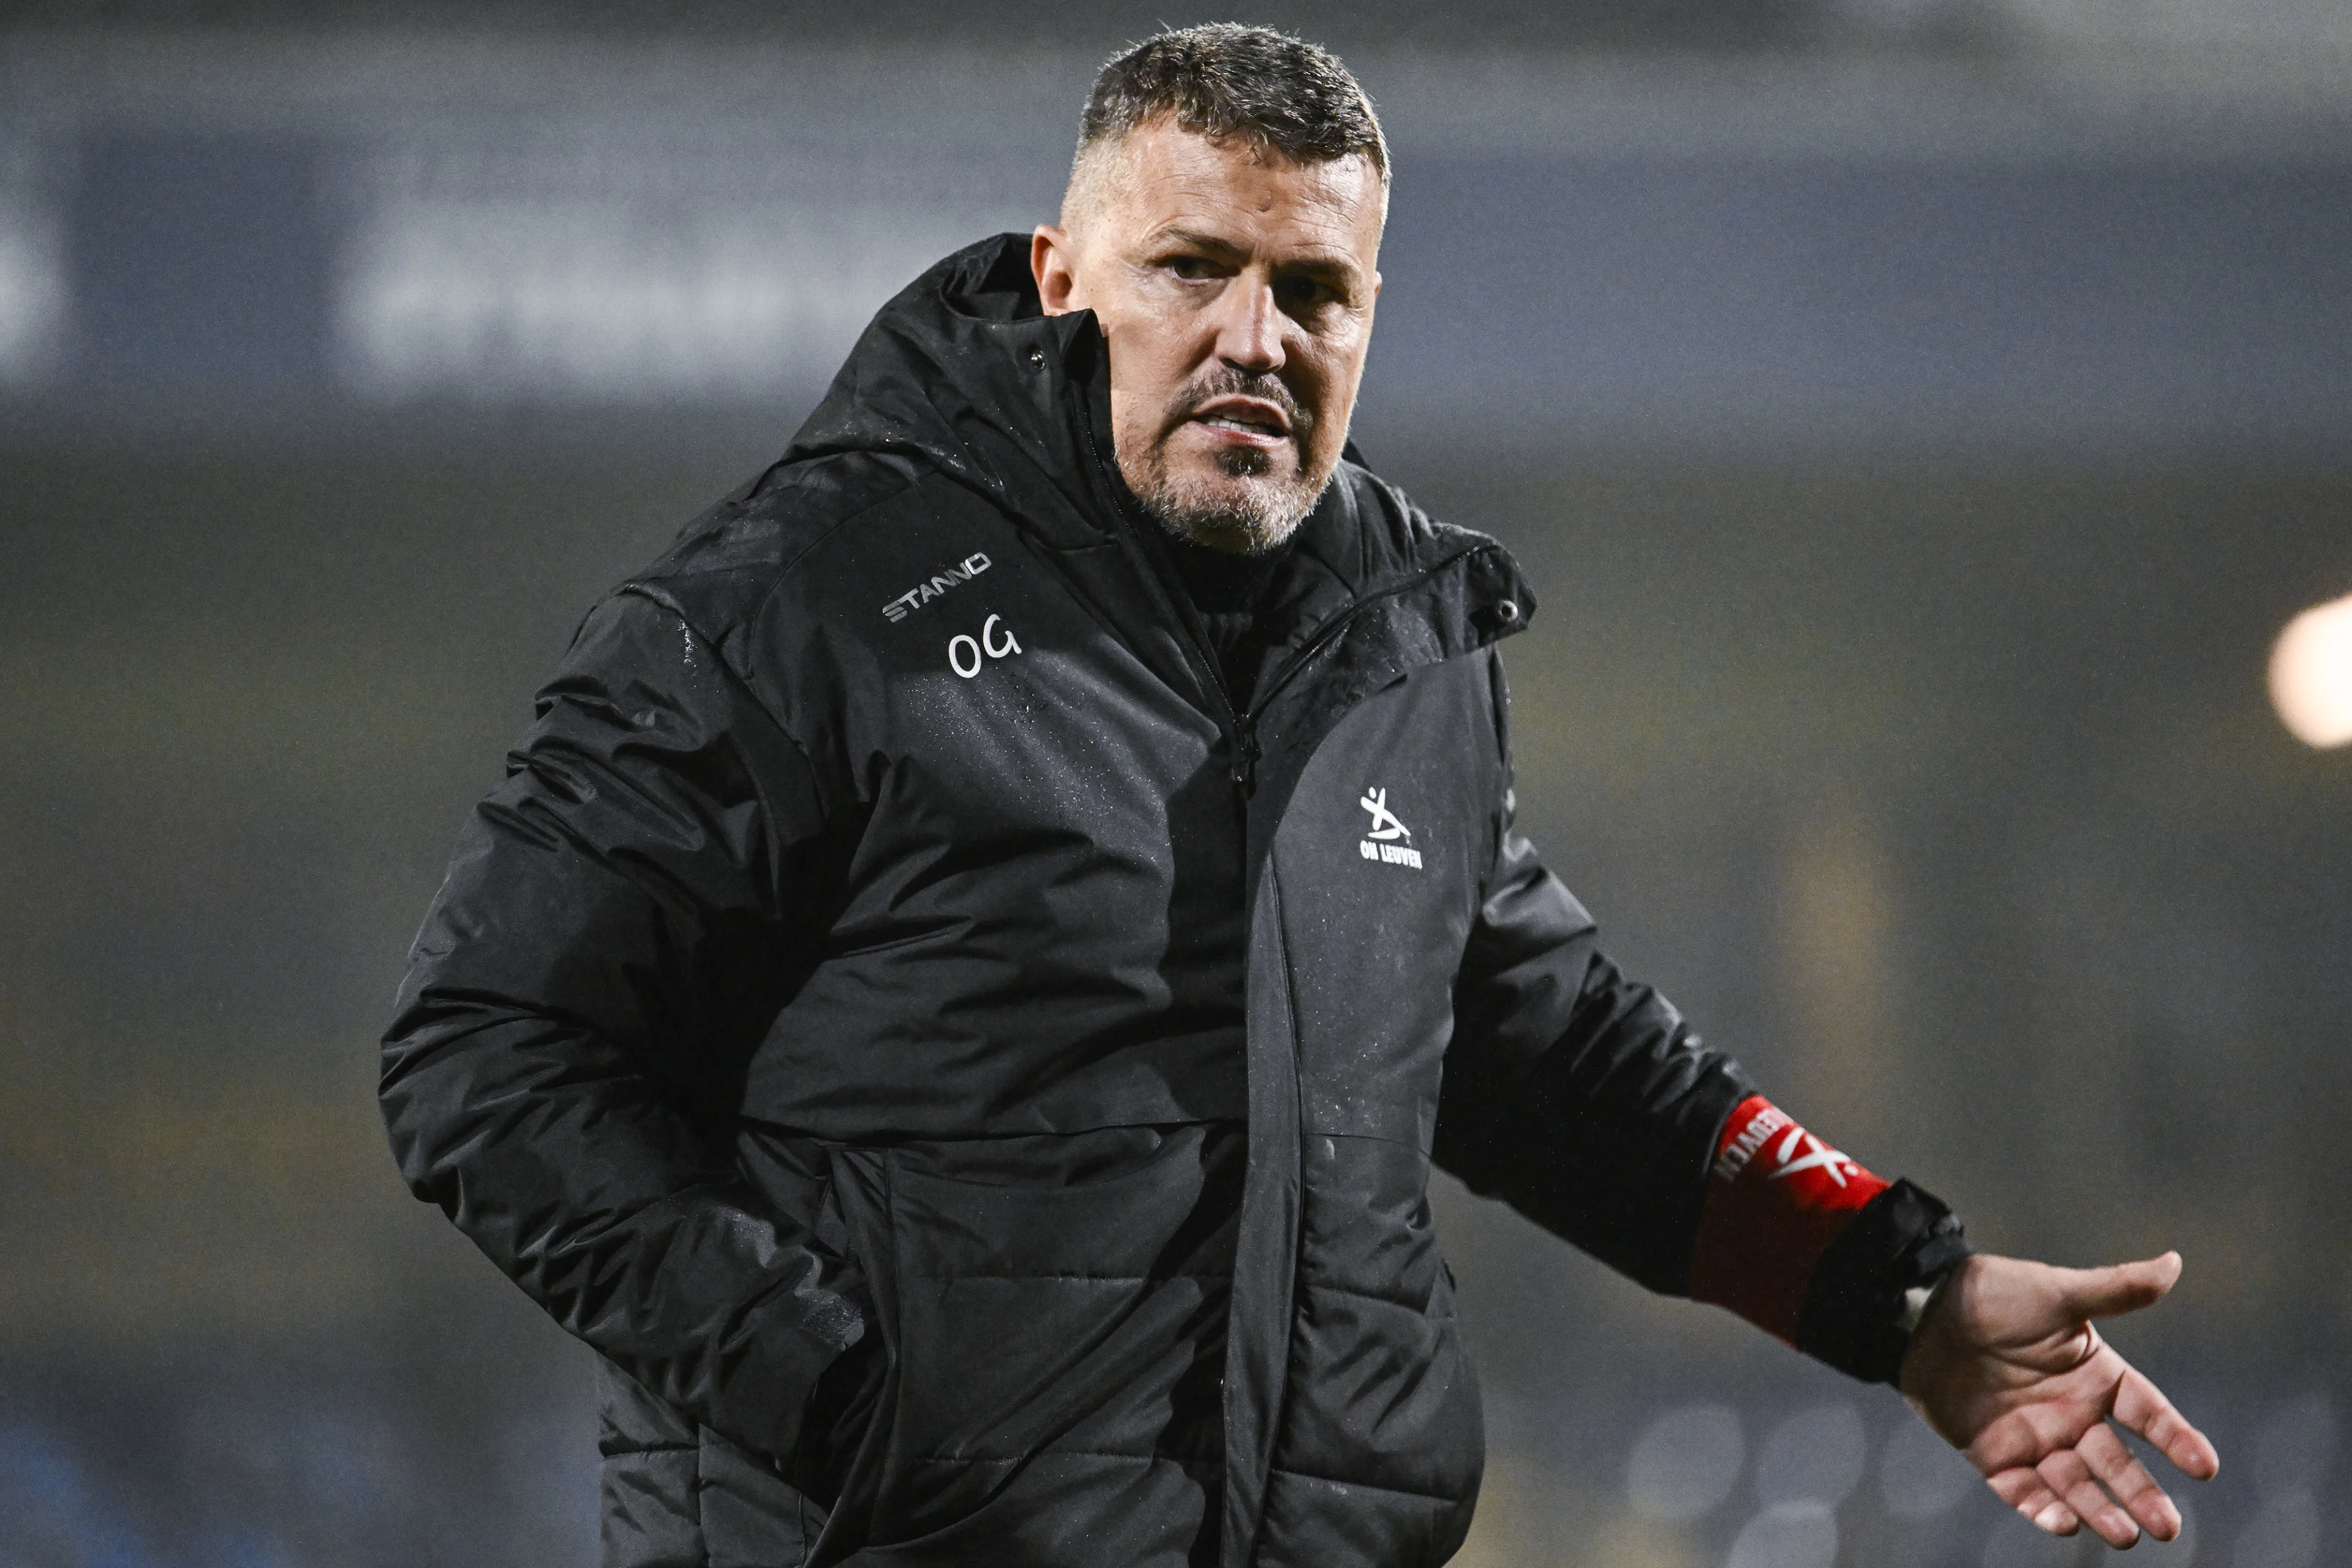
(1257, 519)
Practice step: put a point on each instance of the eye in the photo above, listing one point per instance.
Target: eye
(1301, 295)
(1192, 268)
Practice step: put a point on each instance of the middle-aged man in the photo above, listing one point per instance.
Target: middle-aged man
(961, 992)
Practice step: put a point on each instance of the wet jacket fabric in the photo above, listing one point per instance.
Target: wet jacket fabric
(973, 1079)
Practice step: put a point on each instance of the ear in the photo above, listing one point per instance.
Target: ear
(1053, 262)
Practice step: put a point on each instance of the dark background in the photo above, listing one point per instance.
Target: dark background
(1919, 418)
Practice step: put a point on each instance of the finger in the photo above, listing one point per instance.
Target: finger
(2119, 1287)
(2142, 1407)
(2025, 1490)
(2126, 1477)
(2024, 1435)
(2070, 1477)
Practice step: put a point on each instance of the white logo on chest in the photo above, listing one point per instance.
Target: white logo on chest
(1388, 839)
(964, 650)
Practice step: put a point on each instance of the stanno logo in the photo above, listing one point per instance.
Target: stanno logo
(922, 594)
(1388, 839)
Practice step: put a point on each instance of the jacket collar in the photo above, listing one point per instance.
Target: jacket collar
(964, 372)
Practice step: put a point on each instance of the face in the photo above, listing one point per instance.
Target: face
(1235, 290)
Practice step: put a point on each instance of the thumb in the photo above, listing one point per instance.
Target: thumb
(2119, 1287)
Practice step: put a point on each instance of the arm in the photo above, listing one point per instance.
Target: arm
(1584, 1100)
(1586, 1104)
(622, 918)
(1575, 1095)
(1998, 1354)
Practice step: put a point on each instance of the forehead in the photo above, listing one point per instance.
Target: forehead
(1174, 179)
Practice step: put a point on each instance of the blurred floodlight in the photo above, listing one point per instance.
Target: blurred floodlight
(1921, 1476)
(32, 293)
(1787, 1535)
(1815, 1456)
(2311, 674)
(1686, 1462)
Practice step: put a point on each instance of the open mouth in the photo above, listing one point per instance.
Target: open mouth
(1246, 419)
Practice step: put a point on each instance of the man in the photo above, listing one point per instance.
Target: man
(960, 995)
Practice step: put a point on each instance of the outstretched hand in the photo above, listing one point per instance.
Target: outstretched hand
(2007, 1367)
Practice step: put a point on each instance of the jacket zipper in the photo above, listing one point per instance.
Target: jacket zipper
(1240, 729)
(1243, 731)
(1306, 651)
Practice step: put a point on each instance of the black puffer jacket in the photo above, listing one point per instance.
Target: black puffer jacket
(944, 1050)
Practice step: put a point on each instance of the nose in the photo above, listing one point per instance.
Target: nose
(1249, 337)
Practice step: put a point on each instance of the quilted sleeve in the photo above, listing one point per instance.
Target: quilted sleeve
(621, 919)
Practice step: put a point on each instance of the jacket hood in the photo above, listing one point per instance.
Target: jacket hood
(962, 369)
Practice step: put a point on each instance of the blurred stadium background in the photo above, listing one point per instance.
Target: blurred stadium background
(1919, 416)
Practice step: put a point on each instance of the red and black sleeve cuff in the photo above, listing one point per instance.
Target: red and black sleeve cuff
(1804, 1243)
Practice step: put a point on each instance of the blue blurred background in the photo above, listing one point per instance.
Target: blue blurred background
(1919, 416)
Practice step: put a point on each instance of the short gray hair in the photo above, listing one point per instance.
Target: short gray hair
(1229, 82)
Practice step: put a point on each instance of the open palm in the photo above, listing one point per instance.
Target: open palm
(2007, 1367)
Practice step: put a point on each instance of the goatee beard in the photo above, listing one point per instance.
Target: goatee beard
(1241, 518)
(1244, 520)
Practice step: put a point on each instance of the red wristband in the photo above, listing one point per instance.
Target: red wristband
(1776, 1197)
